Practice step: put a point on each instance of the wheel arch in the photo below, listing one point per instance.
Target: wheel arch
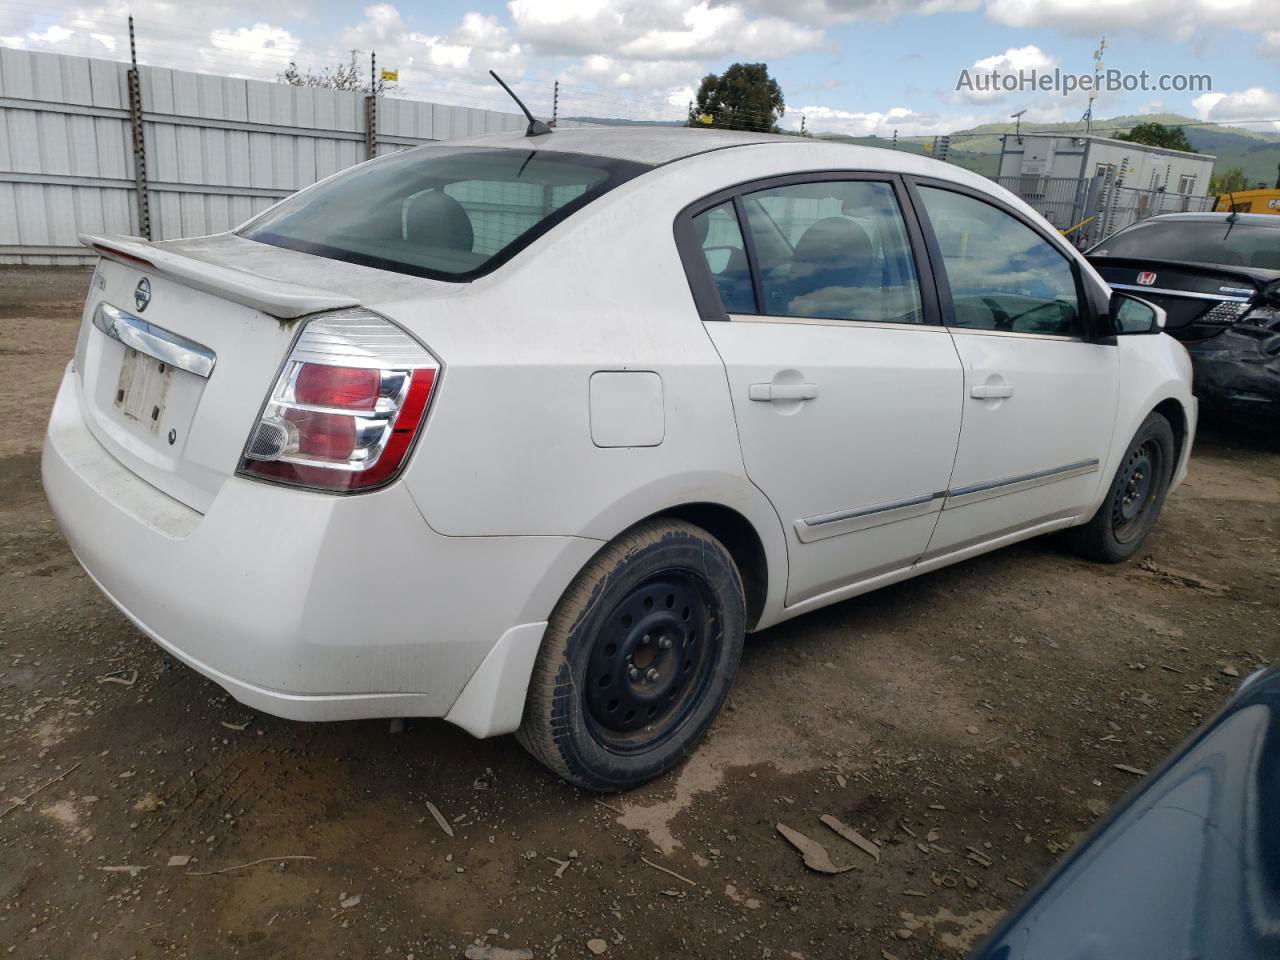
(1173, 411)
(740, 538)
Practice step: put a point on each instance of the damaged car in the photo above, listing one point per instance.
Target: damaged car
(1217, 276)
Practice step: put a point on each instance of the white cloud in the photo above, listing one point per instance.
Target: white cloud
(708, 32)
(826, 12)
(55, 34)
(1255, 103)
(451, 67)
(1013, 62)
(657, 29)
(598, 69)
(1181, 19)
(1029, 57)
(220, 36)
(259, 43)
(478, 44)
(908, 123)
(1187, 21)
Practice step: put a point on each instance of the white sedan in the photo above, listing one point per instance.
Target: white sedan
(527, 432)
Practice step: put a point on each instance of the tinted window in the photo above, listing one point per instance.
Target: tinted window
(834, 249)
(1197, 241)
(447, 212)
(1003, 275)
(721, 238)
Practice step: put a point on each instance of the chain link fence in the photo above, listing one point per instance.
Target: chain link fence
(1088, 209)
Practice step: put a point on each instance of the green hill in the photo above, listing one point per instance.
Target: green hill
(978, 148)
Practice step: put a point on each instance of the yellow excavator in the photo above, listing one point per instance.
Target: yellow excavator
(1262, 200)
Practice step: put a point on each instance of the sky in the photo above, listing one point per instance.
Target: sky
(845, 66)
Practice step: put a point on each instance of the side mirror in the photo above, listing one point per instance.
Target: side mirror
(1134, 315)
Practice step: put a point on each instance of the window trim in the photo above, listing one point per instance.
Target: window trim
(706, 296)
(1094, 330)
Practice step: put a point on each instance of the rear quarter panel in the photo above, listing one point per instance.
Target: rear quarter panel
(508, 449)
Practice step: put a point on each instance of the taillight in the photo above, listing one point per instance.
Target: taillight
(346, 408)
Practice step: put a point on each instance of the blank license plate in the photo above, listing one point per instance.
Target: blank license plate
(142, 389)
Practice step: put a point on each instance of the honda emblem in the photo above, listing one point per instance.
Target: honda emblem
(1146, 278)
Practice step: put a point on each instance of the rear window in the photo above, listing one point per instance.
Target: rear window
(451, 213)
(1197, 241)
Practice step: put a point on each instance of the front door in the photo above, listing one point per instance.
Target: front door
(846, 390)
(1039, 397)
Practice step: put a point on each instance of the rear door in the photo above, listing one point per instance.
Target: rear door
(1039, 395)
(846, 389)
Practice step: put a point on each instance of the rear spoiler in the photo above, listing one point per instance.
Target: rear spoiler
(285, 301)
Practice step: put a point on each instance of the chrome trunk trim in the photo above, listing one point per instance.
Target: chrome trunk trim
(157, 342)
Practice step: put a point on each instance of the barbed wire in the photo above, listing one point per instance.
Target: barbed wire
(172, 42)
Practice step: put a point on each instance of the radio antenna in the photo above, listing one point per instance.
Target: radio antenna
(536, 127)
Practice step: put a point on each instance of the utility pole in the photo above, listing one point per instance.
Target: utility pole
(139, 141)
(371, 110)
(1017, 125)
(1093, 94)
(802, 130)
(555, 103)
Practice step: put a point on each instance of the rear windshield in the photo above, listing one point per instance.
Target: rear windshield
(1197, 241)
(452, 213)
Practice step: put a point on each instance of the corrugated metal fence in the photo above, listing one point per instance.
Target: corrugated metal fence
(218, 149)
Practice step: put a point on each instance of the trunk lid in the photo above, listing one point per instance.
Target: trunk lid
(1200, 299)
(181, 341)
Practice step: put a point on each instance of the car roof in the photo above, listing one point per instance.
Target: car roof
(653, 145)
(1261, 219)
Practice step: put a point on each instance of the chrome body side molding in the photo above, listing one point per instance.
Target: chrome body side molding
(878, 514)
(863, 518)
(959, 496)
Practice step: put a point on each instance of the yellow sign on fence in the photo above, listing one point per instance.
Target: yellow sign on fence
(390, 76)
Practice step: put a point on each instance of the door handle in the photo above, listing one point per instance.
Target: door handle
(990, 391)
(772, 392)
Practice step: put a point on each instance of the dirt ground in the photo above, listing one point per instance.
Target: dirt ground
(984, 706)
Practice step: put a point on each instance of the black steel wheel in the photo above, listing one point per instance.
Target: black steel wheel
(1133, 501)
(1135, 488)
(652, 661)
(637, 659)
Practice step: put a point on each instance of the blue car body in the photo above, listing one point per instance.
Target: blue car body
(1186, 866)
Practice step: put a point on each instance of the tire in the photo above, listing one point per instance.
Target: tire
(1132, 505)
(638, 658)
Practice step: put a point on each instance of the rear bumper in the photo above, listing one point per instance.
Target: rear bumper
(310, 606)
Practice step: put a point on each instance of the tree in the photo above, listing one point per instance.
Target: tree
(744, 97)
(348, 76)
(1229, 181)
(1157, 135)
